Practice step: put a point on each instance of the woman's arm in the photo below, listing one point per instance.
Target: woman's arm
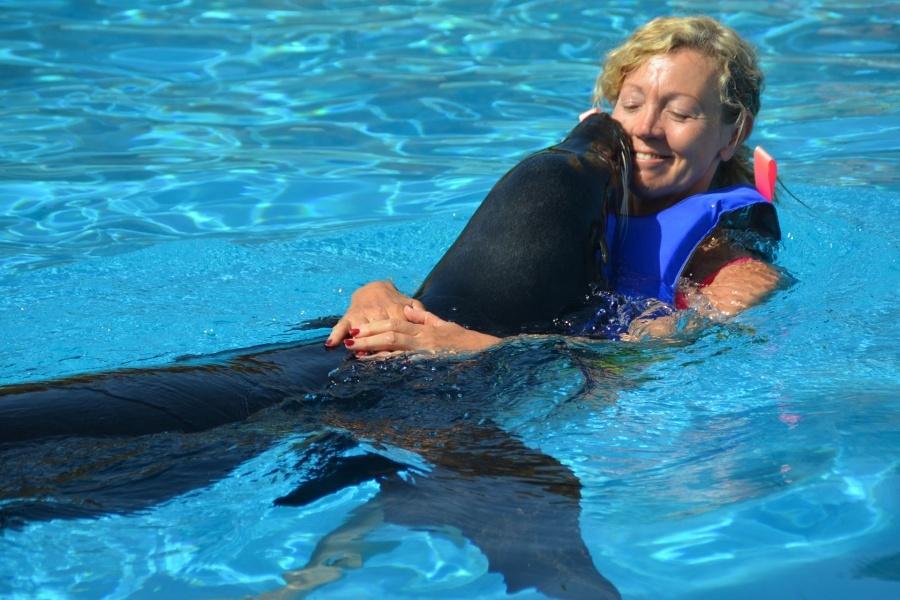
(737, 285)
(376, 301)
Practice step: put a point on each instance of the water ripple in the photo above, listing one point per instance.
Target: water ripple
(286, 152)
(334, 110)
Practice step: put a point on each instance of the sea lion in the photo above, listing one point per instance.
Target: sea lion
(530, 255)
(532, 251)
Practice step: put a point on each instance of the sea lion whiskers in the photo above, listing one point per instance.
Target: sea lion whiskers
(625, 158)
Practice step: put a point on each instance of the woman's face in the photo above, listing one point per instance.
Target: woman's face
(671, 109)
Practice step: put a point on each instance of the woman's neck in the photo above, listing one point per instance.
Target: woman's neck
(638, 207)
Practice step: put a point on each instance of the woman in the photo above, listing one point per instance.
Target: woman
(686, 90)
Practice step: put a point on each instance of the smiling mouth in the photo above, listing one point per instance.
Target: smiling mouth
(648, 156)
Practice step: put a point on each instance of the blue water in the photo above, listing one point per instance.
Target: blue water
(183, 177)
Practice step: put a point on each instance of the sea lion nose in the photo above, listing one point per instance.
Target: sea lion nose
(588, 112)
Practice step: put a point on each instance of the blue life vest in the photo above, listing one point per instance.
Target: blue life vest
(648, 253)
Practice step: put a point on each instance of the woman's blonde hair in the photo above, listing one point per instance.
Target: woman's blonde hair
(740, 78)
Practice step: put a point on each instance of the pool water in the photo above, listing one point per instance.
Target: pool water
(186, 177)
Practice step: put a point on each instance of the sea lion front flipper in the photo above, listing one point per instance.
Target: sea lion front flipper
(330, 470)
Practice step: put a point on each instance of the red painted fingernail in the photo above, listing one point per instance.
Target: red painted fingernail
(348, 343)
(354, 332)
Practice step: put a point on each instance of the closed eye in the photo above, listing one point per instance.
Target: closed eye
(679, 116)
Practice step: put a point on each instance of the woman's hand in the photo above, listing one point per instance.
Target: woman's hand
(650, 327)
(417, 331)
(376, 301)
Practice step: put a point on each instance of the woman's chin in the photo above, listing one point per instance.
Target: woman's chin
(647, 200)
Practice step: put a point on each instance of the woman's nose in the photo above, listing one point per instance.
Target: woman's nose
(646, 123)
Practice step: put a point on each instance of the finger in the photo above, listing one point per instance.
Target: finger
(399, 325)
(338, 332)
(420, 316)
(349, 324)
(390, 341)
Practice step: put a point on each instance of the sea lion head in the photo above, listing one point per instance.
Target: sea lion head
(599, 137)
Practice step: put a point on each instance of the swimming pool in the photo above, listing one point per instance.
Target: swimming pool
(188, 177)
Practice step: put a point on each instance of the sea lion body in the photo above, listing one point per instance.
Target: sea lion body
(528, 256)
(532, 251)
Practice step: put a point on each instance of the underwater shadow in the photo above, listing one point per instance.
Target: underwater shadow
(520, 506)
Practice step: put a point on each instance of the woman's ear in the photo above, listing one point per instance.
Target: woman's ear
(742, 128)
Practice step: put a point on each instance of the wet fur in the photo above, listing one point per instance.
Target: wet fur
(532, 251)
